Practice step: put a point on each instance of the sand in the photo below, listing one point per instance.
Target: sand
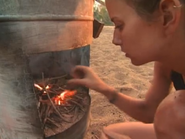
(115, 69)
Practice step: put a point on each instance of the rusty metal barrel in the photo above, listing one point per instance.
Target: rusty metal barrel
(48, 36)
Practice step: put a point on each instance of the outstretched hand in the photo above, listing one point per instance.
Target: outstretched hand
(85, 76)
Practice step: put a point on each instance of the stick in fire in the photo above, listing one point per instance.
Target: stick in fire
(57, 105)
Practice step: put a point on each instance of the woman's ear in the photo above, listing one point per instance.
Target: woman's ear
(171, 12)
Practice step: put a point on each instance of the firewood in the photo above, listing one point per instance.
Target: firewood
(55, 115)
(53, 122)
(76, 103)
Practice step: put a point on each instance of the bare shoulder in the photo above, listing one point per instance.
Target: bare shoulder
(179, 97)
(170, 116)
(176, 98)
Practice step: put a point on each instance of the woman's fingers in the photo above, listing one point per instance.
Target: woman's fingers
(84, 76)
(79, 72)
(76, 82)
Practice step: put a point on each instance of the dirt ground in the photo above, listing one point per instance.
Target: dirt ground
(115, 69)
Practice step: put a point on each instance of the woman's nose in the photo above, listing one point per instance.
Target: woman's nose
(116, 39)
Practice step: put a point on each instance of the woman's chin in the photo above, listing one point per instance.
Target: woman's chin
(137, 62)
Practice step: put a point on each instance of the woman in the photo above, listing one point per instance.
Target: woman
(146, 31)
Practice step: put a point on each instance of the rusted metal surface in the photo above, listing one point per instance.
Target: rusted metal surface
(28, 28)
(53, 64)
(46, 25)
(78, 130)
(18, 111)
(19, 116)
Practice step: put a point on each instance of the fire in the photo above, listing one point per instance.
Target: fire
(61, 99)
(38, 86)
(41, 89)
(47, 87)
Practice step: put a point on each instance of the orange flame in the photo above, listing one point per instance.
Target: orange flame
(41, 89)
(61, 99)
(48, 87)
(38, 86)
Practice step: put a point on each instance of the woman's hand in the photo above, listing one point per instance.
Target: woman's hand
(85, 76)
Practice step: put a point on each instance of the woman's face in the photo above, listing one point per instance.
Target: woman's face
(141, 40)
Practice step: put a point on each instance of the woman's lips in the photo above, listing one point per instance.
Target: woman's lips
(126, 54)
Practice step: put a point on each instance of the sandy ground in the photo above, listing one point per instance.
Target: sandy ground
(115, 69)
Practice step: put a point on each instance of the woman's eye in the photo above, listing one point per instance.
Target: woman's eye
(120, 27)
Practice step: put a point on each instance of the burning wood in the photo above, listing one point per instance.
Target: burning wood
(58, 107)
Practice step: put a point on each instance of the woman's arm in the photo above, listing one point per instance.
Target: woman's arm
(144, 110)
